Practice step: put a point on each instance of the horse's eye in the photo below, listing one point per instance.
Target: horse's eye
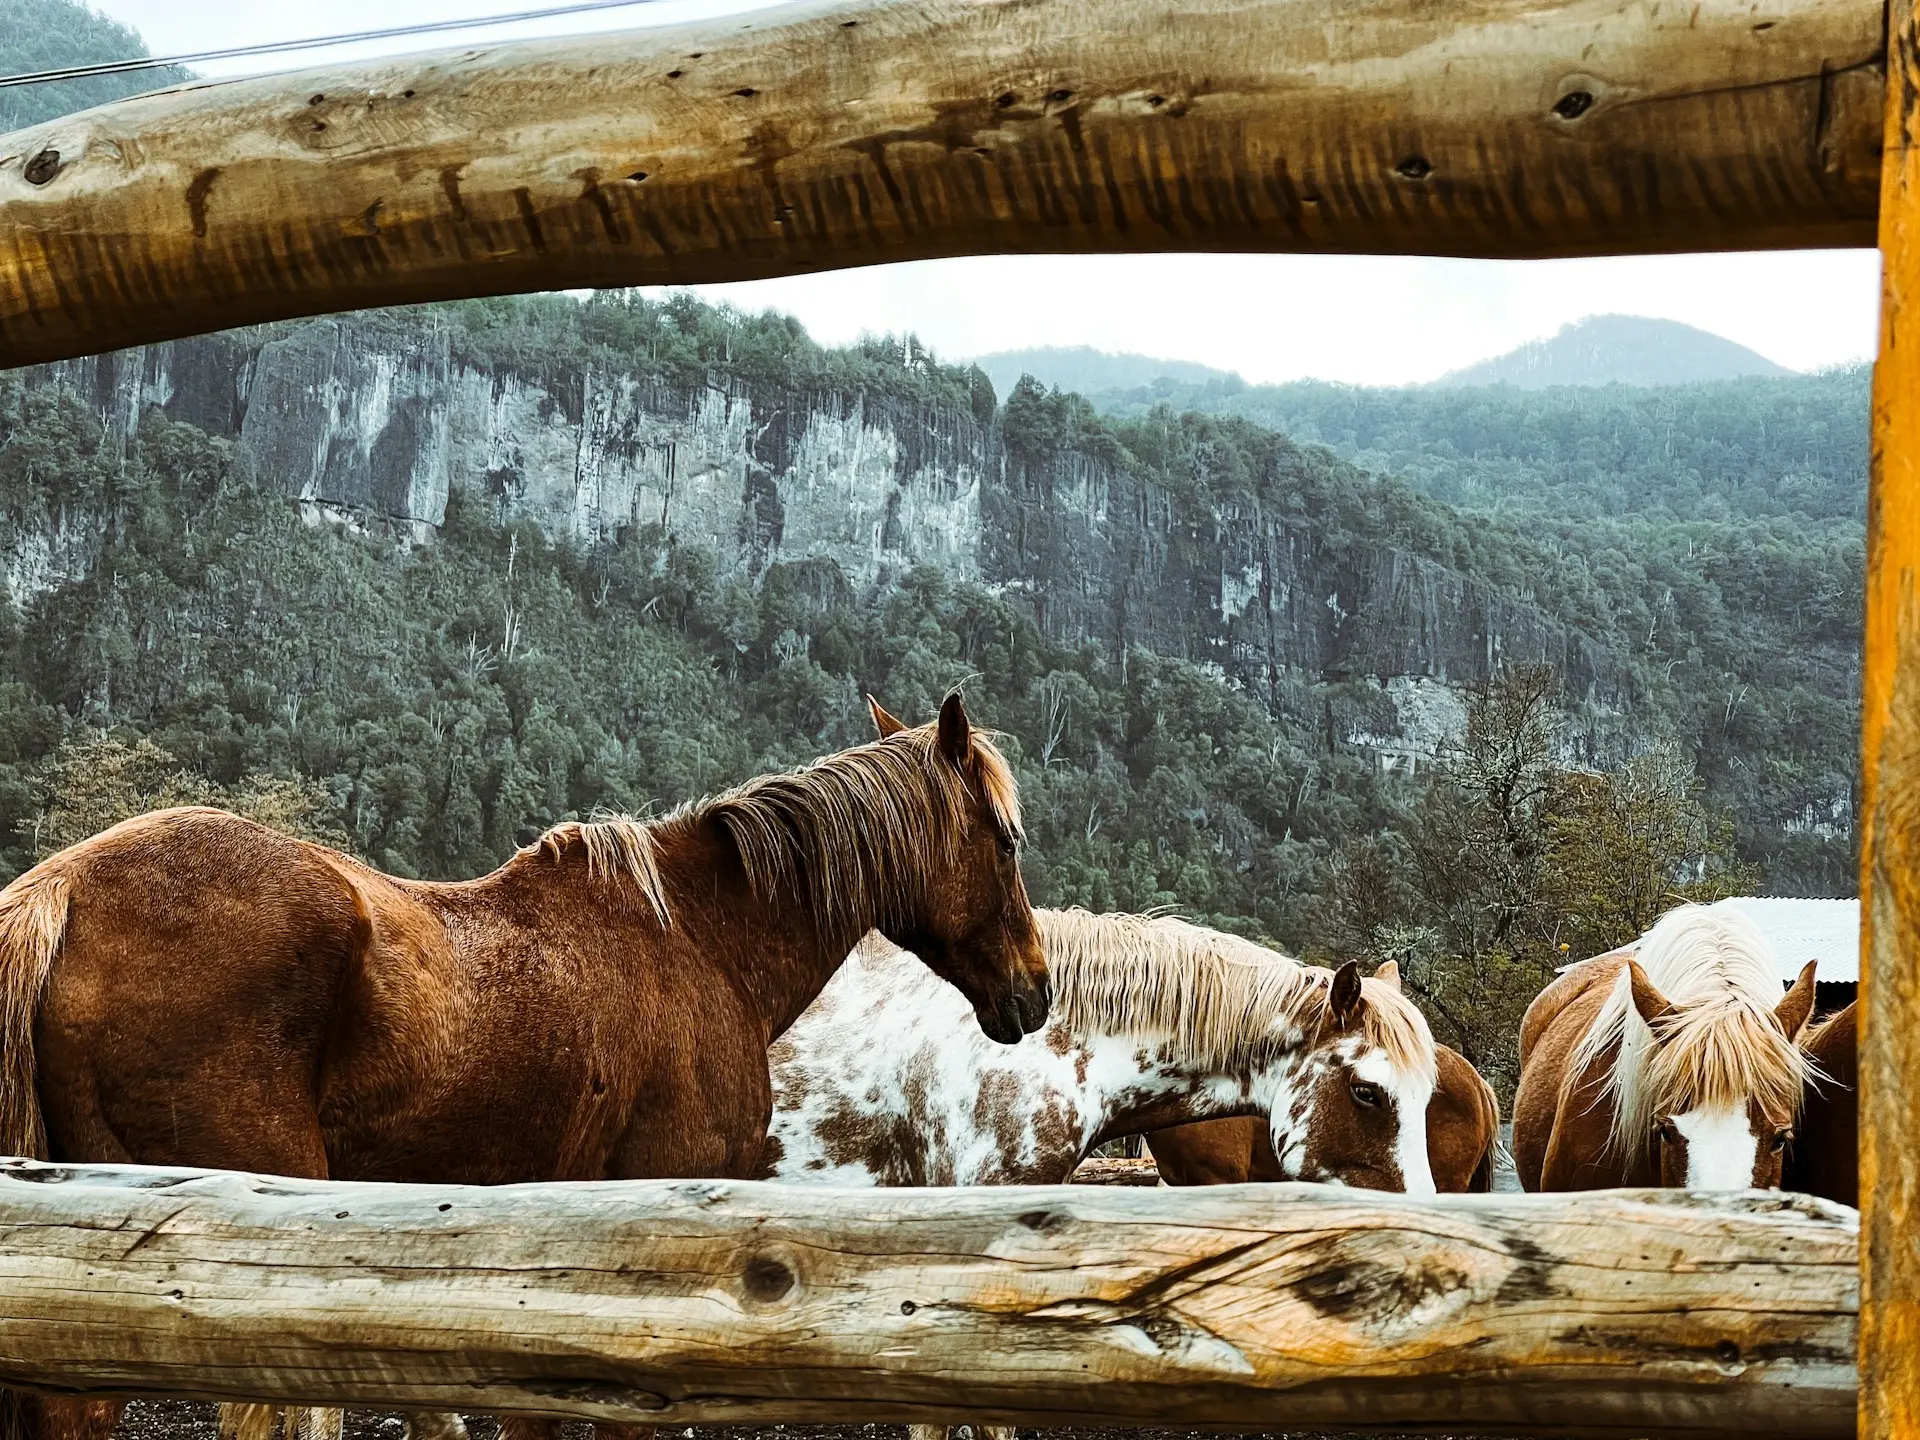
(1780, 1139)
(1668, 1130)
(1365, 1094)
(1008, 845)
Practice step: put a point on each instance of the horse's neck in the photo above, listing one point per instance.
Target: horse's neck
(773, 946)
(1140, 1085)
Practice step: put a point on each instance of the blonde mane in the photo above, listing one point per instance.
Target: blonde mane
(853, 833)
(1720, 1044)
(1206, 991)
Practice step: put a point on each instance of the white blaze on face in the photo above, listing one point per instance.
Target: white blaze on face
(1721, 1148)
(1411, 1094)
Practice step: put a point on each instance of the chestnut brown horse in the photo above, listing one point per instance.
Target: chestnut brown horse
(190, 988)
(1672, 1062)
(1463, 1129)
(1824, 1157)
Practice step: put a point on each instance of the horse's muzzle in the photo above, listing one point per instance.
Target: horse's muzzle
(1019, 1013)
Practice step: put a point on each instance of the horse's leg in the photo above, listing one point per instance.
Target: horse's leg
(612, 1430)
(927, 1432)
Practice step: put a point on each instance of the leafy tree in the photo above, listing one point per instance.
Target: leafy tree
(95, 780)
(1514, 862)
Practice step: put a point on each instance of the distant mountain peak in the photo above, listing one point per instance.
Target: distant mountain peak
(1618, 350)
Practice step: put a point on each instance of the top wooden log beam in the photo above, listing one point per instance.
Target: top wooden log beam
(814, 136)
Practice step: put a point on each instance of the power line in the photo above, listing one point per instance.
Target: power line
(276, 47)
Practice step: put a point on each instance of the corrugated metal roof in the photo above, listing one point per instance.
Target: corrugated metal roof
(1803, 930)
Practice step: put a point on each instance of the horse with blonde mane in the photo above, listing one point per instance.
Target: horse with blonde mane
(1673, 1062)
(1463, 1133)
(1155, 1022)
(190, 988)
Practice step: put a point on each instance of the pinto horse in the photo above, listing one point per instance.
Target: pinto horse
(1671, 1063)
(1463, 1131)
(190, 988)
(1824, 1158)
(1155, 1022)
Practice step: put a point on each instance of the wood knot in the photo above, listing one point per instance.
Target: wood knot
(43, 167)
(1573, 104)
(1414, 167)
(767, 1279)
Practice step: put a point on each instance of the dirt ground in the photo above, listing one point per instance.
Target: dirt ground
(179, 1421)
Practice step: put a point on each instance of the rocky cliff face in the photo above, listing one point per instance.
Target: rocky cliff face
(352, 422)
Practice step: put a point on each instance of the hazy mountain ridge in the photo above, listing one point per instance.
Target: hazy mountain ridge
(1084, 370)
(1618, 350)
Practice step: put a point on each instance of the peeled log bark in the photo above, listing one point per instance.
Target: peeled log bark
(812, 137)
(1618, 1314)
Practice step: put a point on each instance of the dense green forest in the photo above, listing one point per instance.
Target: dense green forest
(1760, 447)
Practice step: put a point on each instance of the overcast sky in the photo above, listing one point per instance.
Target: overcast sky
(1362, 319)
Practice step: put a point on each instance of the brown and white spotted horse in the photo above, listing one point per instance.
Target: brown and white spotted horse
(1155, 1022)
(1463, 1133)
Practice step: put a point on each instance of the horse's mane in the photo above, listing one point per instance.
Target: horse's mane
(847, 832)
(1205, 990)
(1721, 1043)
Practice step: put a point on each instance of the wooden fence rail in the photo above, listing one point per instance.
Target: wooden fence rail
(1618, 1314)
(816, 136)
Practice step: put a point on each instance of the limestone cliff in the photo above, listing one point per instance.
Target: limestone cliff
(379, 423)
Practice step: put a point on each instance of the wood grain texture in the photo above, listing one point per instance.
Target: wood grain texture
(815, 136)
(1889, 1001)
(1619, 1314)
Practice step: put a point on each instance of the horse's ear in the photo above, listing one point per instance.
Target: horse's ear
(1389, 974)
(1343, 996)
(1651, 1004)
(955, 733)
(1797, 1008)
(882, 721)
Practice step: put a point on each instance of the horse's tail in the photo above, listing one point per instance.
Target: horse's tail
(33, 917)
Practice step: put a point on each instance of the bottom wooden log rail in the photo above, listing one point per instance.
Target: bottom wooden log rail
(1243, 1307)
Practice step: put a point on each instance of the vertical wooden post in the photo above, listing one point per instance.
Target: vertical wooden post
(1890, 791)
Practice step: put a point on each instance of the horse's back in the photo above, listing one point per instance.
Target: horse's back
(202, 954)
(1563, 990)
(1559, 1016)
